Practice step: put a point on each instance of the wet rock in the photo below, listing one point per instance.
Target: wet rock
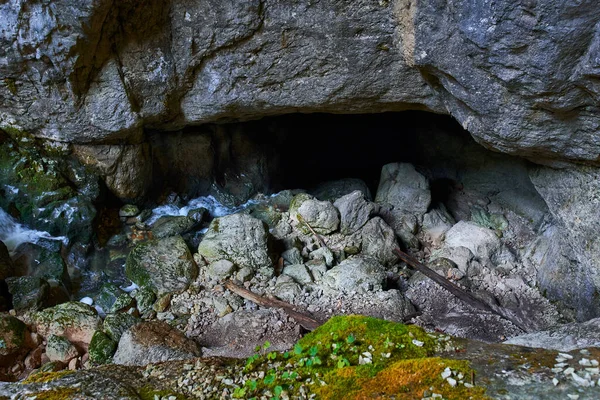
(171, 226)
(482, 242)
(115, 324)
(102, 348)
(355, 274)
(28, 293)
(163, 265)
(152, 342)
(6, 264)
(129, 210)
(144, 298)
(334, 190)
(198, 214)
(563, 338)
(14, 339)
(60, 349)
(354, 210)
(322, 216)
(107, 296)
(75, 321)
(42, 263)
(238, 238)
(267, 213)
(379, 241)
(403, 187)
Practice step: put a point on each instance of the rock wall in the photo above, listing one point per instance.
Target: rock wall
(521, 77)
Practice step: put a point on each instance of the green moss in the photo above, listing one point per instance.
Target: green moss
(11, 86)
(360, 357)
(43, 377)
(65, 393)
(150, 393)
(136, 272)
(102, 348)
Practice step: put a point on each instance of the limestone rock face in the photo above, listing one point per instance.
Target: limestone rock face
(152, 342)
(521, 79)
(567, 253)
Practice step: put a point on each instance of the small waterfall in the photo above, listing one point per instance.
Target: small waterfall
(13, 233)
(213, 206)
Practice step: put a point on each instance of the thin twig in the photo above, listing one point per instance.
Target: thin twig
(319, 238)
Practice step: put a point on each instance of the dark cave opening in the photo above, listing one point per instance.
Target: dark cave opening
(298, 151)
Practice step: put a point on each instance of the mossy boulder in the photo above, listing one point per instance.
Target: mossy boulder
(115, 324)
(75, 321)
(14, 337)
(28, 292)
(144, 298)
(60, 349)
(163, 265)
(102, 348)
(111, 298)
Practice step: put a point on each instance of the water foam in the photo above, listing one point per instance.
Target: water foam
(213, 206)
(14, 234)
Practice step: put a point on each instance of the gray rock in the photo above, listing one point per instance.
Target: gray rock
(563, 338)
(379, 241)
(152, 342)
(220, 270)
(102, 348)
(60, 349)
(354, 210)
(324, 254)
(198, 214)
(461, 256)
(286, 289)
(238, 238)
(482, 242)
(129, 210)
(144, 298)
(403, 187)
(171, 226)
(334, 190)
(567, 251)
(435, 225)
(322, 216)
(292, 256)
(355, 274)
(107, 296)
(163, 265)
(299, 273)
(403, 223)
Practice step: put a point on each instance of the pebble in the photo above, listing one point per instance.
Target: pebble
(418, 343)
(447, 373)
(451, 381)
(579, 380)
(585, 362)
(569, 371)
(565, 355)
(555, 381)
(573, 396)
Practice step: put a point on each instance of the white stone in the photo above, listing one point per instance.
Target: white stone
(451, 381)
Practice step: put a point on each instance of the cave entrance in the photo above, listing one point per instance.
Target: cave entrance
(302, 151)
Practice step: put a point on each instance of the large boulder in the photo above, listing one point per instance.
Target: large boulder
(355, 274)
(14, 339)
(403, 187)
(238, 238)
(483, 242)
(28, 292)
(163, 265)
(74, 321)
(6, 264)
(354, 210)
(379, 241)
(563, 338)
(152, 342)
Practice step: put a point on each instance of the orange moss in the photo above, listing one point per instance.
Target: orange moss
(405, 379)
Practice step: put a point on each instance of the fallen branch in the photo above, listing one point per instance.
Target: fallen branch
(457, 291)
(305, 320)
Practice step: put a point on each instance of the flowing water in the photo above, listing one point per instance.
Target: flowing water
(12, 233)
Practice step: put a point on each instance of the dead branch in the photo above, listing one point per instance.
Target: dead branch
(306, 320)
(457, 291)
(319, 238)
